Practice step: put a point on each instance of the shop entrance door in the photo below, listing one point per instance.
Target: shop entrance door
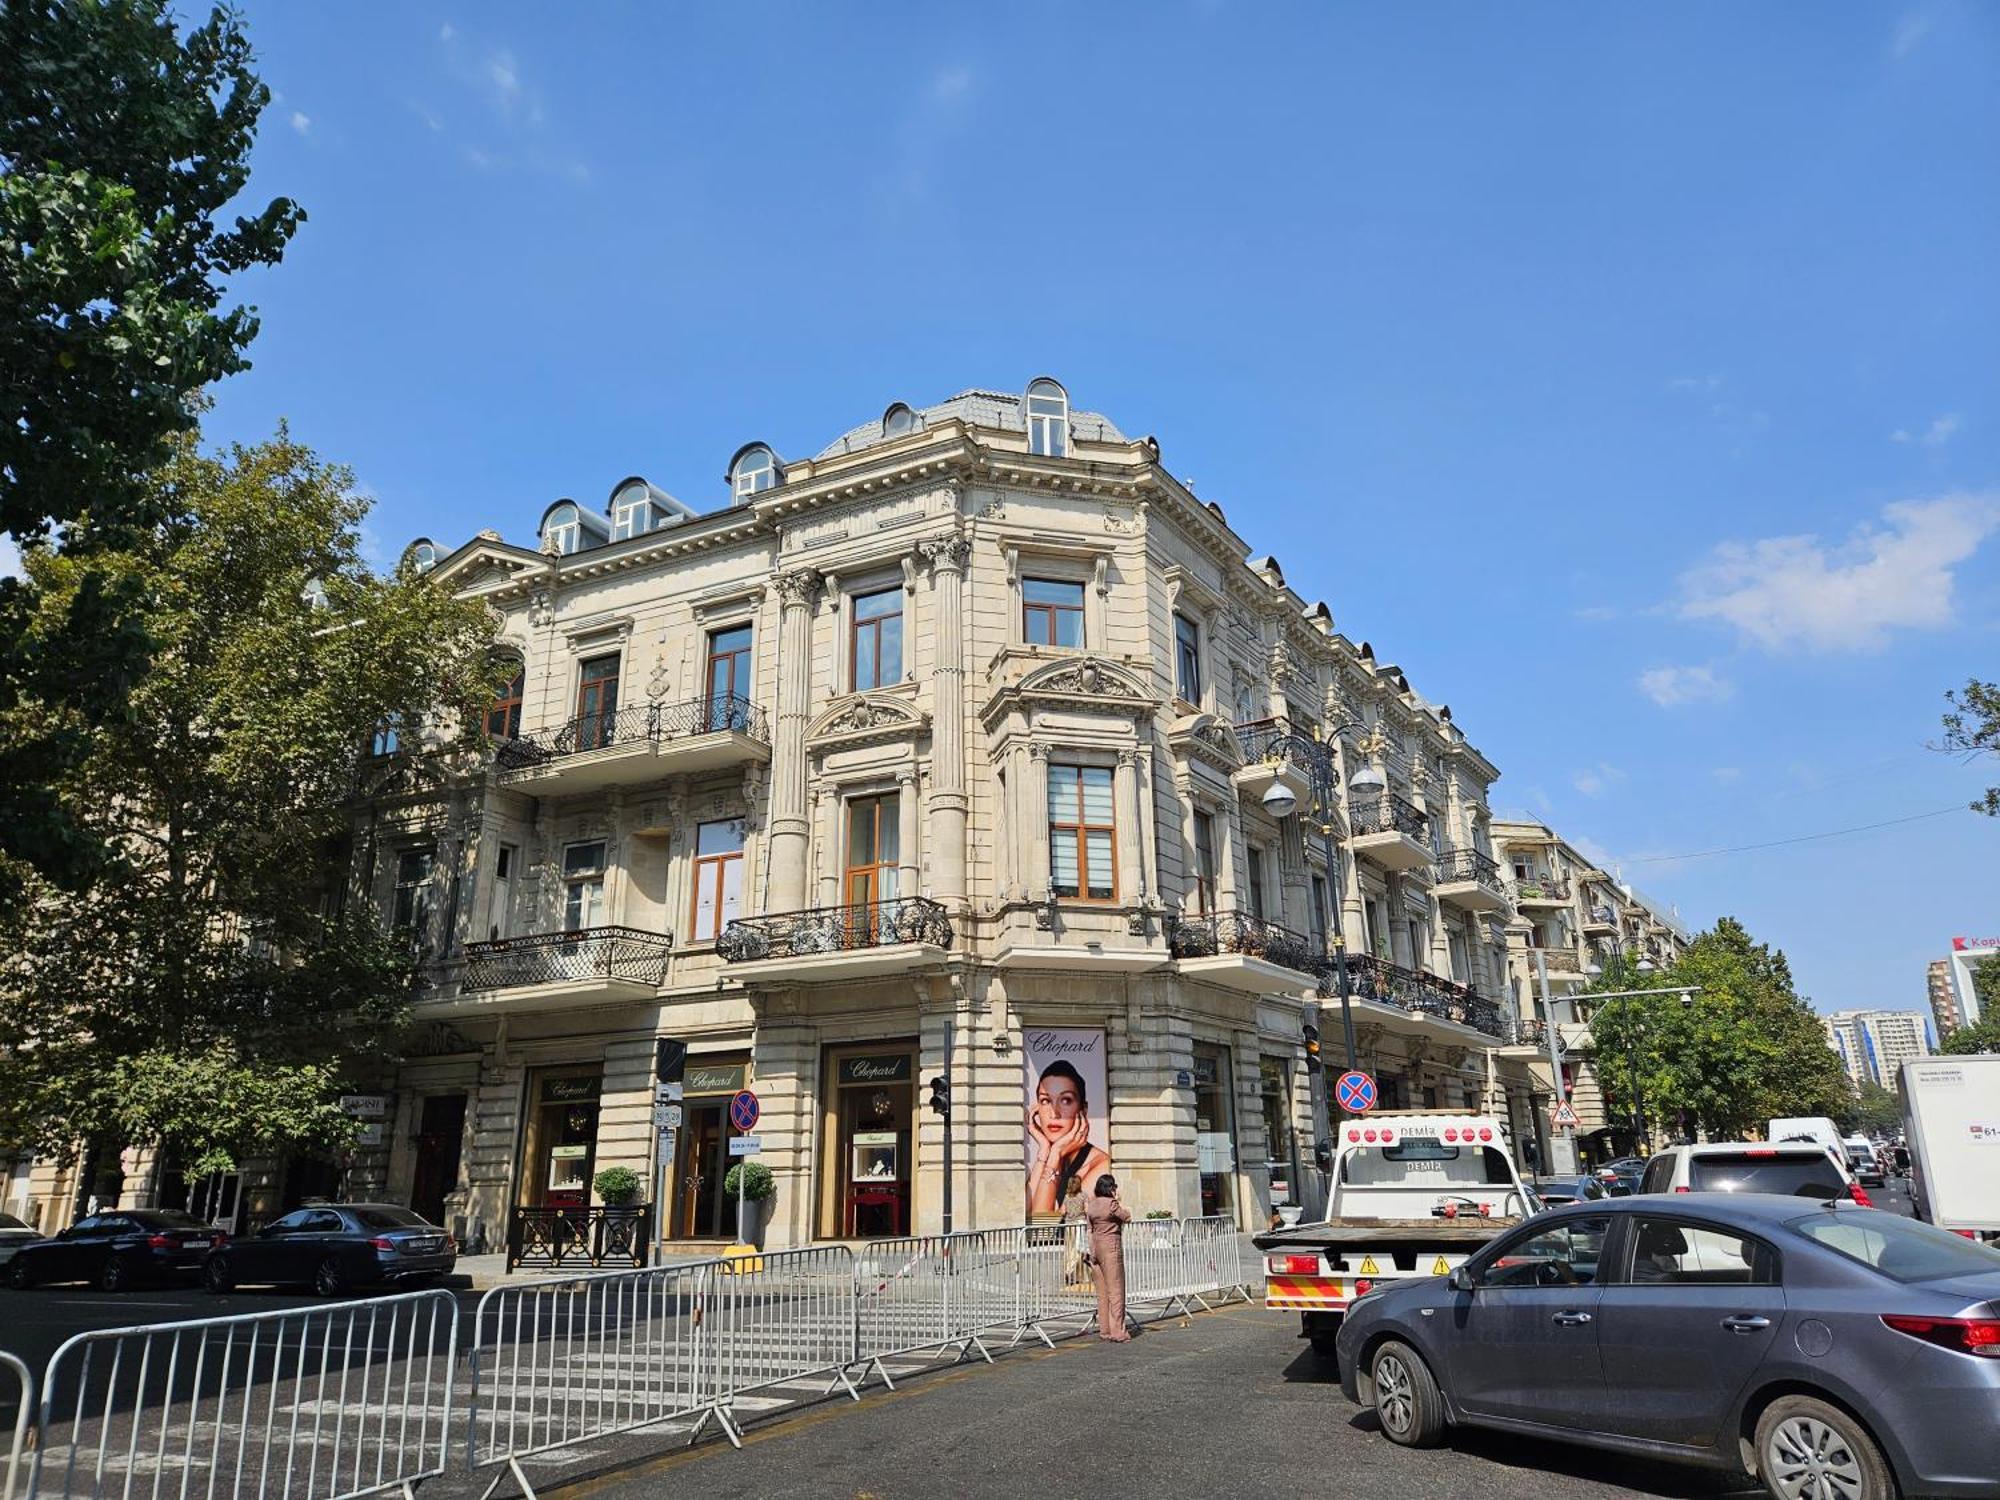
(706, 1211)
(440, 1135)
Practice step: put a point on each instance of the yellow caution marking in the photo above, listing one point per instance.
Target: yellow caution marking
(1439, 1268)
(1368, 1266)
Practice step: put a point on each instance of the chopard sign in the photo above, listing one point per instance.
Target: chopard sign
(1063, 1044)
(875, 1069)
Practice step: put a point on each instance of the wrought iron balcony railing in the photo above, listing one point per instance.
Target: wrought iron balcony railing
(833, 929)
(652, 723)
(1190, 936)
(1542, 888)
(1385, 812)
(1470, 864)
(622, 953)
(1425, 994)
(1528, 1031)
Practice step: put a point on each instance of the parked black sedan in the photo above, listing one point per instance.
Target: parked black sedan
(331, 1247)
(117, 1249)
(1831, 1350)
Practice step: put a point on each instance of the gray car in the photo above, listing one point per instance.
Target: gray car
(1836, 1352)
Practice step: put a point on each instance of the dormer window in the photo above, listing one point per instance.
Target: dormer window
(898, 420)
(562, 530)
(754, 471)
(420, 556)
(1048, 419)
(631, 512)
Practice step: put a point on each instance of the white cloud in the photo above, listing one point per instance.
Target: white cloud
(1672, 687)
(505, 77)
(1909, 34)
(1727, 775)
(1940, 432)
(1795, 591)
(1702, 383)
(1599, 856)
(301, 121)
(446, 32)
(1593, 781)
(948, 84)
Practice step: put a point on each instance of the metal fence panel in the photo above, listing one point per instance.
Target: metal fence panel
(940, 1291)
(782, 1318)
(320, 1403)
(24, 1389)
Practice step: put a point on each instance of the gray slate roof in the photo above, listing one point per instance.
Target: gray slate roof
(992, 409)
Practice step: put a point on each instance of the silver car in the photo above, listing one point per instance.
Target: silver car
(1835, 1352)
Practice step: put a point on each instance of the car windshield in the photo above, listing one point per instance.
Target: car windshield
(391, 1218)
(1791, 1174)
(1901, 1249)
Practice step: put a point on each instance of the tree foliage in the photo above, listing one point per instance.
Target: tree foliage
(1981, 1036)
(1972, 730)
(206, 992)
(1746, 1049)
(122, 144)
(1876, 1111)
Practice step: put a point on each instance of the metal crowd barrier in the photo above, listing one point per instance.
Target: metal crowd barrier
(24, 1390)
(559, 1362)
(782, 1318)
(942, 1291)
(322, 1403)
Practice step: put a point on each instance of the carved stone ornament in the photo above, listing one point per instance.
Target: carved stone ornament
(1118, 523)
(798, 587)
(541, 608)
(437, 1039)
(864, 715)
(949, 552)
(659, 682)
(1373, 743)
(993, 510)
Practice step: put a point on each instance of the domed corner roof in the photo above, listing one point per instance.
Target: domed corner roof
(975, 408)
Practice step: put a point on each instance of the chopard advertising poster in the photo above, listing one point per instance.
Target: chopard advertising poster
(1068, 1104)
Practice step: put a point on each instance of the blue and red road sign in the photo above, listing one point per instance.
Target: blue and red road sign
(1356, 1092)
(744, 1110)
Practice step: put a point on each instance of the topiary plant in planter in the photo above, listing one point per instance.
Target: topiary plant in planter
(617, 1187)
(756, 1188)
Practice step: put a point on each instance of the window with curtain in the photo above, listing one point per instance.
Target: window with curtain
(718, 877)
(583, 886)
(1082, 833)
(1204, 863)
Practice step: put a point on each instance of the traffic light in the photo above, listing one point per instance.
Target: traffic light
(670, 1055)
(941, 1096)
(1309, 1028)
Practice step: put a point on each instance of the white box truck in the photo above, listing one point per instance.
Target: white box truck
(1951, 1121)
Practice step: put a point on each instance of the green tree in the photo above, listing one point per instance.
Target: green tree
(1981, 1036)
(1744, 1050)
(1876, 1110)
(1972, 731)
(122, 143)
(207, 992)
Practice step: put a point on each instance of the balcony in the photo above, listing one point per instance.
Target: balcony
(1470, 881)
(1391, 831)
(1541, 890)
(1244, 952)
(591, 966)
(1384, 983)
(1528, 1031)
(837, 942)
(631, 746)
(1601, 921)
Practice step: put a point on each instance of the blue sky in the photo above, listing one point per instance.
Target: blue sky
(1624, 373)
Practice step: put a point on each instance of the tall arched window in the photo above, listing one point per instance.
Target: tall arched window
(563, 529)
(755, 470)
(503, 719)
(1048, 419)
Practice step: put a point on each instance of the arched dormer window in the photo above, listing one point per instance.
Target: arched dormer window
(752, 471)
(897, 420)
(632, 511)
(1048, 418)
(562, 529)
(421, 555)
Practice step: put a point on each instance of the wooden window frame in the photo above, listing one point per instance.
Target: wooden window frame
(1205, 881)
(1051, 615)
(704, 866)
(855, 625)
(506, 709)
(1079, 831)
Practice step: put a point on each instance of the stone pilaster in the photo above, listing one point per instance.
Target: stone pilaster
(790, 830)
(948, 805)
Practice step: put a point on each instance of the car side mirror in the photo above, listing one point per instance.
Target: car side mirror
(1460, 1279)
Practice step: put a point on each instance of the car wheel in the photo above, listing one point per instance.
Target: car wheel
(217, 1277)
(330, 1280)
(1407, 1399)
(113, 1275)
(1810, 1450)
(19, 1277)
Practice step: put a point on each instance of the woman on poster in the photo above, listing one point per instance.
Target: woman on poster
(1108, 1218)
(1059, 1128)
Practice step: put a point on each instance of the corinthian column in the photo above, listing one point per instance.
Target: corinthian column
(948, 556)
(790, 828)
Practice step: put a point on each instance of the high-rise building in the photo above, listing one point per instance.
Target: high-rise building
(1874, 1044)
(1965, 952)
(1944, 999)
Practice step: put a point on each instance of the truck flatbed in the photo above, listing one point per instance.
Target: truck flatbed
(1419, 1233)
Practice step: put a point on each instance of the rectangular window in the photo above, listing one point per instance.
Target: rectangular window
(503, 719)
(414, 894)
(874, 848)
(877, 646)
(1322, 907)
(388, 739)
(1204, 863)
(597, 703)
(503, 892)
(726, 680)
(1082, 834)
(583, 886)
(1256, 861)
(718, 877)
(631, 516)
(1051, 612)
(1187, 660)
(1275, 1094)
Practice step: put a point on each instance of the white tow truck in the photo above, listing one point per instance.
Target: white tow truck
(1414, 1194)
(1951, 1122)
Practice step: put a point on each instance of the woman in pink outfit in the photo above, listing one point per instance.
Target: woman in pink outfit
(1108, 1218)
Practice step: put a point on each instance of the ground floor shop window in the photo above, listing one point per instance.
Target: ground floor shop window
(699, 1209)
(559, 1146)
(1215, 1128)
(1281, 1151)
(866, 1170)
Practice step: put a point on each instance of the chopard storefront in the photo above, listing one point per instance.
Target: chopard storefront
(867, 1171)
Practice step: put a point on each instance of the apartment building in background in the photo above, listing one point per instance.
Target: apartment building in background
(1874, 1044)
(1943, 997)
(939, 754)
(1966, 953)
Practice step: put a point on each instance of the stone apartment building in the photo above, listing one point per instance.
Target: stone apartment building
(1571, 918)
(940, 754)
